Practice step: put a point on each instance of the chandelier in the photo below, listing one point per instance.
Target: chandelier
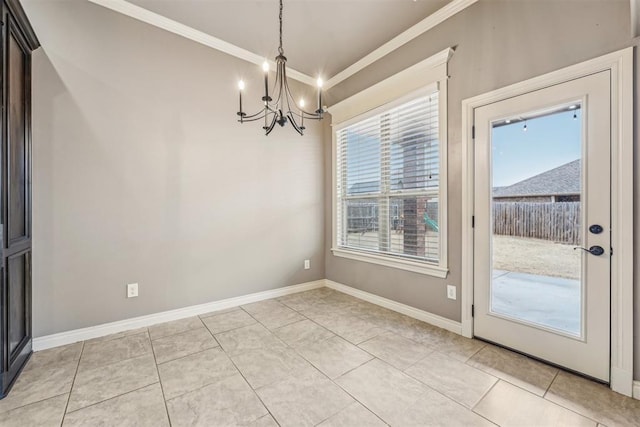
(281, 108)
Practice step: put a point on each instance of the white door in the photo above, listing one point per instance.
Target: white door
(542, 188)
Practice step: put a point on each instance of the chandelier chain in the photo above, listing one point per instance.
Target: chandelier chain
(280, 50)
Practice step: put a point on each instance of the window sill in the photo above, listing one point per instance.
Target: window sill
(402, 264)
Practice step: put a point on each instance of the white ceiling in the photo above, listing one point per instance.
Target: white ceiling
(321, 37)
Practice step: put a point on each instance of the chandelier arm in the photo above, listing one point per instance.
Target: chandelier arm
(277, 101)
(271, 126)
(288, 100)
(288, 93)
(294, 124)
(280, 81)
(255, 119)
(260, 114)
(265, 112)
(305, 114)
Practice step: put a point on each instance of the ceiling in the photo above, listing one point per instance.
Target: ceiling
(321, 37)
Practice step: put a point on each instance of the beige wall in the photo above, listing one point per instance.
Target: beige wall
(498, 42)
(141, 174)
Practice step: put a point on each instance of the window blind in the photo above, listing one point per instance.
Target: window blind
(388, 182)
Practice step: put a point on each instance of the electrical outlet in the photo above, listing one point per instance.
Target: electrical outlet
(307, 264)
(132, 290)
(451, 292)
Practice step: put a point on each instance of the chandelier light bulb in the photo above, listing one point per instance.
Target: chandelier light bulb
(319, 82)
(241, 85)
(301, 103)
(265, 66)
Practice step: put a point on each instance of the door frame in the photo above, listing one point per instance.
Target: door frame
(620, 64)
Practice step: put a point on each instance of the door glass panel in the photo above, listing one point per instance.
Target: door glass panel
(536, 219)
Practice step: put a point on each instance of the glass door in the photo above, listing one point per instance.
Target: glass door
(542, 208)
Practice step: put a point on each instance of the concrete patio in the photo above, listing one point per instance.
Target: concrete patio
(552, 302)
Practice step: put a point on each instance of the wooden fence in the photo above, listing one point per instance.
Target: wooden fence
(558, 222)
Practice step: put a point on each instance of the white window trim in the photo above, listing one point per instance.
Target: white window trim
(420, 78)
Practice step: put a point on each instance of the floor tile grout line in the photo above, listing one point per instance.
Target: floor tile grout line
(192, 354)
(559, 405)
(444, 394)
(327, 339)
(425, 385)
(181, 333)
(232, 329)
(347, 407)
(474, 353)
(353, 369)
(268, 328)
(544, 395)
(189, 355)
(104, 339)
(252, 389)
(147, 353)
(312, 366)
(470, 409)
(90, 343)
(447, 397)
(174, 333)
(566, 407)
(341, 388)
(218, 312)
(66, 407)
(356, 399)
(116, 339)
(485, 395)
(431, 351)
(34, 402)
(113, 397)
(200, 387)
(164, 399)
(333, 335)
(455, 401)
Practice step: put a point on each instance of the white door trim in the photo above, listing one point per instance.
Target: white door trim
(620, 64)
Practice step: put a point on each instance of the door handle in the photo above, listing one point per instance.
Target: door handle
(593, 250)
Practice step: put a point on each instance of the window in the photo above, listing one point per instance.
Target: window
(389, 181)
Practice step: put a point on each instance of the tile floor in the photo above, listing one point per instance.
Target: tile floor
(313, 358)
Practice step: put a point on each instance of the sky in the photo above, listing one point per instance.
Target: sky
(549, 142)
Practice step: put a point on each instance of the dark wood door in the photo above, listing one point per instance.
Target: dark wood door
(16, 202)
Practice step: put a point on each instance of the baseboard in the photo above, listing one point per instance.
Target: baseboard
(76, 335)
(636, 390)
(416, 313)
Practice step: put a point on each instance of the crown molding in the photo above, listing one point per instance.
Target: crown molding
(420, 28)
(157, 20)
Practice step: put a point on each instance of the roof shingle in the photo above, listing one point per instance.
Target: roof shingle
(562, 180)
